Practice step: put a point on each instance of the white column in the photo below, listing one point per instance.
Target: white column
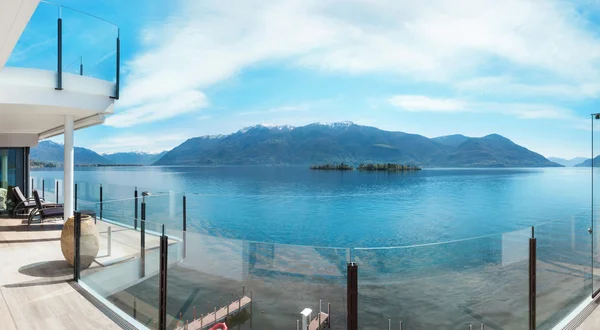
(4, 165)
(69, 164)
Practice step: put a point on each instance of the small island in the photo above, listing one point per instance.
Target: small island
(333, 167)
(387, 167)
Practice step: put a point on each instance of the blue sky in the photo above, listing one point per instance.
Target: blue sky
(525, 69)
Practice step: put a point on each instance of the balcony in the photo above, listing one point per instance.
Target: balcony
(158, 267)
(65, 62)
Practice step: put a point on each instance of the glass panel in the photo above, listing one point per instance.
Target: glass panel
(281, 280)
(38, 44)
(49, 193)
(165, 207)
(446, 285)
(89, 43)
(88, 196)
(124, 275)
(563, 268)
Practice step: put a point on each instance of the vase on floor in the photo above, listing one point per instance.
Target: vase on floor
(88, 243)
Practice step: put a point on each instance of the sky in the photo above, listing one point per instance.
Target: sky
(525, 69)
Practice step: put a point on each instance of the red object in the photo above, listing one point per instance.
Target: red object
(219, 326)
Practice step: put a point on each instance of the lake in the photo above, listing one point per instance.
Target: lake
(241, 220)
(295, 205)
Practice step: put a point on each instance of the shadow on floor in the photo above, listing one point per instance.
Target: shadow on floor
(55, 268)
(46, 226)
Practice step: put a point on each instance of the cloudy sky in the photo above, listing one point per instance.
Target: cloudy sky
(525, 69)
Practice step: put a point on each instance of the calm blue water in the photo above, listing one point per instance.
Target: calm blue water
(295, 205)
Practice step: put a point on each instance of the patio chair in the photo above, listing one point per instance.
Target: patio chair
(26, 205)
(44, 212)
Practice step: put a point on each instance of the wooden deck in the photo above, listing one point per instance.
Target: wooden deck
(206, 321)
(319, 322)
(36, 291)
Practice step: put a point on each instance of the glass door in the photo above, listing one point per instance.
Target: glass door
(13, 173)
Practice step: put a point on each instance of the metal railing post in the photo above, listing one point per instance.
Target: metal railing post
(77, 257)
(43, 189)
(162, 317)
(143, 239)
(59, 56)
(184, 225)
(532, 278)
(81, 66)
(135, 208)
(56, 191)
(184, 213)
(31, 190)
(352, 300)
(118, 73)
(75, 197)
(101, 206)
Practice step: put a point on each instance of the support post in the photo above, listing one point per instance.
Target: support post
(184, 226)
(184, 213)
(75, 201)
(118, 73)
(77, 234)
(162, 317)
(532, 279)
(143, 240)
(59, 56)
(101, 201)
(135, 208)
(352, 305)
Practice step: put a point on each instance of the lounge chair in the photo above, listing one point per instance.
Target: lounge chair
(44, 212)
(26, 205)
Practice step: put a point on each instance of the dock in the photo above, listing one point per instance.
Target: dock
(208, 320)
(321, 321)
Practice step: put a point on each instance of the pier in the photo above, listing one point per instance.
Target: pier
(218, 315)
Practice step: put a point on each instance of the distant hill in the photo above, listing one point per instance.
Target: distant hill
(134, 158)
(451, 140)
(349, 143)
(51, 152)
(588, 162)
(568, 162)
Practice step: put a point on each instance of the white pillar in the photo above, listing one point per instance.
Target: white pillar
(69, 164)
(4, 165)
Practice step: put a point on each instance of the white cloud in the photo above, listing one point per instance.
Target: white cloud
(509, 86)
(150, 142)
(424, 103)
(421, 103)
(206, 42)
(285, 108)
(173, 105)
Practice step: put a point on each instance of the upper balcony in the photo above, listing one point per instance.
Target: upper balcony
(55, 61)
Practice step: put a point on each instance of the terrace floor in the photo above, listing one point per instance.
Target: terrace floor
(36, 288)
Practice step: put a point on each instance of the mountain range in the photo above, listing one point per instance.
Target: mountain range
(317, 143)
(349, 143)
(588, 162)
(568, 162)
(51, 152)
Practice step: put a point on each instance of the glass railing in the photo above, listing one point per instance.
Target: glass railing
(563, 268)
(446, 285)
(126, 259)
(489, 280)
(86, 45)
